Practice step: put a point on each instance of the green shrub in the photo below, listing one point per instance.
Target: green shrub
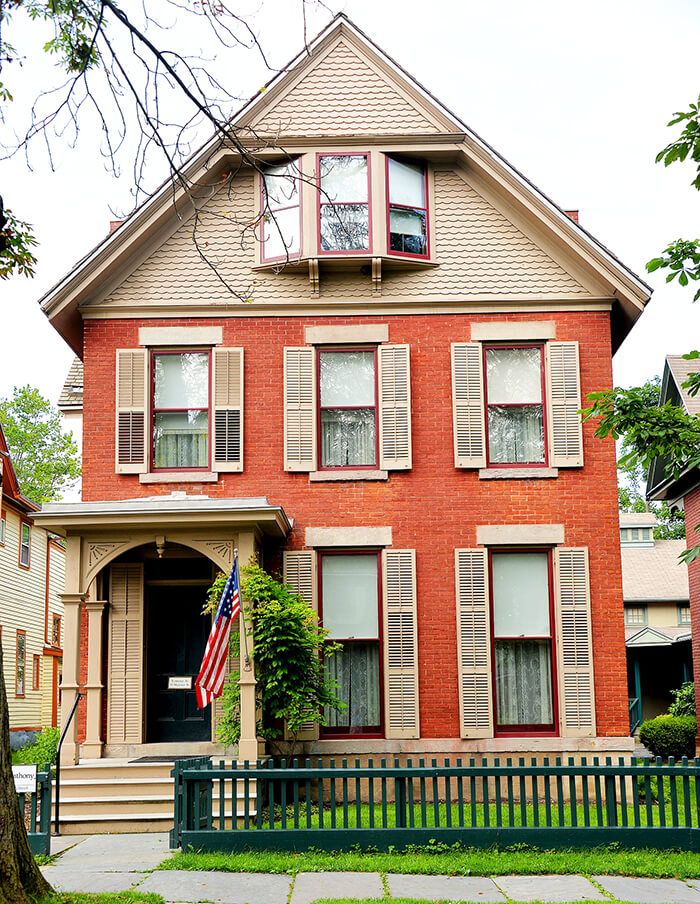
(683, 700)
(669, 735)
(42, 751)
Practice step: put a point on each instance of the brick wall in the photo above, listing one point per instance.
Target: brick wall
(432, 508)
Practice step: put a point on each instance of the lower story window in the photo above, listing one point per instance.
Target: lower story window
(523, 642)
(350, 612)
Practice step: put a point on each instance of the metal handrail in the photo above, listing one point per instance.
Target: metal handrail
(78, 698)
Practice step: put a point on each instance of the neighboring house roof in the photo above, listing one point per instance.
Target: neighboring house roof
(71, 398)
(660, 486)
(415, 112)
(654, 573)
(638, 519)
(655, 637)
(10, 485)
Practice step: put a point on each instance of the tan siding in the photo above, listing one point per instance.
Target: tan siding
(480, 252)
(22, 602)
(368, 102)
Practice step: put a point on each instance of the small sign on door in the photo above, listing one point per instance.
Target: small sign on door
(25, 779)
(180, 683)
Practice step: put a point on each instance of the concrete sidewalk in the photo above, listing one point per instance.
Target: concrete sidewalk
(120, 862)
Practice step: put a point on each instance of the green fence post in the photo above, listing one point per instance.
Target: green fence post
(399, 799)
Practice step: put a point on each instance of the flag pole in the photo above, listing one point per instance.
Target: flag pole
(246, 660)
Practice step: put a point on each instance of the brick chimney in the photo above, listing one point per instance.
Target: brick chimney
(573, 214)
(114, 224)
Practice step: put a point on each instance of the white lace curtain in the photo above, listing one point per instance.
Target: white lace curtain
(355, 668)
(523, 682)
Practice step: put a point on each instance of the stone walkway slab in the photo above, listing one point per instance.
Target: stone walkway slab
(120, 853)
(71, 878)
(221, 888)
(549, 888)
(60, 843)
(312, 886)
(450, 888)
(650, 891)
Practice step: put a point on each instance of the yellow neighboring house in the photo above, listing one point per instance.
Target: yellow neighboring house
(32, 566)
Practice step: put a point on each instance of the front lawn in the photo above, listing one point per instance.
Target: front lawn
(440, 859)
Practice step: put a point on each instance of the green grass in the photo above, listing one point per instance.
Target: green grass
(518, 860)
(120, 897)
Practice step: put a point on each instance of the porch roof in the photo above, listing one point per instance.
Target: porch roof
(175, 509)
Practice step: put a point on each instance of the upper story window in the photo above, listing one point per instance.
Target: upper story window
(344, 211)
(25, 544)
(20, 663)
(348, 408)
(514, 391)
(635, 615)
(56, 631)
(407, 208)
(684, 615)
(281, 204)
(180, 410)
(3, 527)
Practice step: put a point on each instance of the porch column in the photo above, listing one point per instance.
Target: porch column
(70, 685)
(92, 746)
(249, 747)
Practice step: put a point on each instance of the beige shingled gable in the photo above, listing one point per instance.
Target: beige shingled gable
(680, 371)
(343, 92)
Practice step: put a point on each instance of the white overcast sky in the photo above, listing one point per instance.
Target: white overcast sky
(576, 95)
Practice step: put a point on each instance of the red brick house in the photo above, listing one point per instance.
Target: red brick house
(393, 420)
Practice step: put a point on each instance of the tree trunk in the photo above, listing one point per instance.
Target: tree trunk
(20, 878)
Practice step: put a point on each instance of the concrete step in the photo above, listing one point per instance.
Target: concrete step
(102, 768)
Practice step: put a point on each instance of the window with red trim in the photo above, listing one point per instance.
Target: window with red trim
(180, 410)
(36, 666)
(25, 544)
(349, 610)
(343, 201)
(515, 411)
(348, 407)
(407, 208)
(56, 631)
(20, 663)
(281, 206)
(522, 629)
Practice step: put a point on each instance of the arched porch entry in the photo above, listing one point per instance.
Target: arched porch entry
(118, 612)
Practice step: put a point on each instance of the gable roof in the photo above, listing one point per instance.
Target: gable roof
(656, 637)
(10, 490)
(295, 92)
(659, 485)
(71, 398)
(654, 573)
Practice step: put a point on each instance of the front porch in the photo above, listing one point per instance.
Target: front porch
(137, 572)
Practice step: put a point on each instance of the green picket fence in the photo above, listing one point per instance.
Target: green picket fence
(280, 805)
(37, 809)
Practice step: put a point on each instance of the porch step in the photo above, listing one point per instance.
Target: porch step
(109, 796)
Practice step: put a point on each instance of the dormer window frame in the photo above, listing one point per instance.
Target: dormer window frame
(330, 253)
(388, 205)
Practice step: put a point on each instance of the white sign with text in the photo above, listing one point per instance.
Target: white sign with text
(180, 683)
(25, 779)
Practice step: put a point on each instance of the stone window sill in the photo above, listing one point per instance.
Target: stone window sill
(516, 473)
(180, 477)
(323, 476)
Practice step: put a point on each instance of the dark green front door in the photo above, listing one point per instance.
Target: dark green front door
(177, 635)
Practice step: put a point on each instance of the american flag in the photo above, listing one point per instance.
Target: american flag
(210, 681)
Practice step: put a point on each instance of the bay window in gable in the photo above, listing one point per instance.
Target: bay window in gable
(344, 203)
(191, 420)
(281, 211)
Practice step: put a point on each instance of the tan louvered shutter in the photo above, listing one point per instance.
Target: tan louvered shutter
(574, 649)
(468, 405)
(299, 409)
(564, 405)
(228, 409)
(473, 643)
(394, 407)
(125, 676)
(400, 644)
(132, 394)
(299, 568)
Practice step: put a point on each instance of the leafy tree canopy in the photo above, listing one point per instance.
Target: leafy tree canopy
(45, 459)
